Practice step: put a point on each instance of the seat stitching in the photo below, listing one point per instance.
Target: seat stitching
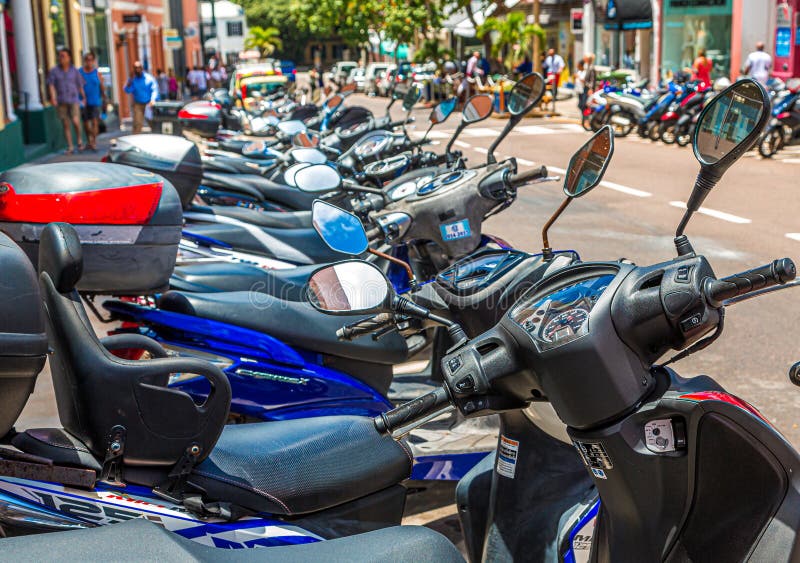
(244, 486)
(49, 443)
(407, 452)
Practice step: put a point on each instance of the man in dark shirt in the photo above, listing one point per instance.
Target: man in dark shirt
(65, 85)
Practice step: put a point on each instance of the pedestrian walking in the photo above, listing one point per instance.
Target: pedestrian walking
(555, 65)
(163, 84)
(590, 74)
(144, 89)
(172, 85)
(759, 64)
(472, 73)
(701, 69)
(580, 85)
(65, 85)
(94, 91)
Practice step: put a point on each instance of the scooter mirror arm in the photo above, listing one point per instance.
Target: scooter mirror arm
(353, 187)
(412, 280)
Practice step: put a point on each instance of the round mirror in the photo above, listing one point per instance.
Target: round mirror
(341, 231)
(412, 97)
(334, 102)
(310, 156)
(317, 178)
(348, 88)
(477, 108)
(442, 110)
(731, 122)
(291, 128)
(526, 94)
(271, 121)
(254, 148)
(306, 139)
(587, 166)
(289, 175)
(353, 286)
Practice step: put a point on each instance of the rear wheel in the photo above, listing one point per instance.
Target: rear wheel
(653, 131)
(771, 142)
(586, 122)
(622, 122)
(683, 138)
(666, 132)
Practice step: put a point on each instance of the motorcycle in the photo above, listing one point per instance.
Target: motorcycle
(784, 127)
(635, 425)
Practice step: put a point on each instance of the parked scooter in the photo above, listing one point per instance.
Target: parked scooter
(636, 425)
(784, 127)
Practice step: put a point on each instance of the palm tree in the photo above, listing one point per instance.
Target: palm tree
(514, 36)
(265, 39)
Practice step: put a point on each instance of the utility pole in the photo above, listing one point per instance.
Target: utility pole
(535, 11)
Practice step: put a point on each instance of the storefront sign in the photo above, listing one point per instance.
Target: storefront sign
(624, 14)
(576, 20)
(783, 30)
(131, 18)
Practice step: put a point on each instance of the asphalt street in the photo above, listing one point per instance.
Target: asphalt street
(748, 220)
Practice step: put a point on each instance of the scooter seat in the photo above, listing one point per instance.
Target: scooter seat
(299, 246)
(300, 466)
(289, 283)
(273, 219)
(142, 540)
(294, 322)
(281, 194)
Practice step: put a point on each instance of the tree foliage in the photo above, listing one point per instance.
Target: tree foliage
(513, 36)
(265, 39)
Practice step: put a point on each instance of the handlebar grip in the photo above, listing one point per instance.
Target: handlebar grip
(776, 272)
(411, 411)
(367, 326)
(517, 180)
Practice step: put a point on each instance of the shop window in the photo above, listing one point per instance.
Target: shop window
(235, 29)
(690, 26)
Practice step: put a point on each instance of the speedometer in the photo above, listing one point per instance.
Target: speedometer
(564, 324)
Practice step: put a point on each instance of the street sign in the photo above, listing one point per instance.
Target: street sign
(131, 18)
(576, 20)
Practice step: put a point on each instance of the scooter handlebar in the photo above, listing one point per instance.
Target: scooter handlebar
(366, 326)
(412, 411)
(777, 272)
(522, 178)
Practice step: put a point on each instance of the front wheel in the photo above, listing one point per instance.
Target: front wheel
(623, 123)
(667, 133)
(771, 142)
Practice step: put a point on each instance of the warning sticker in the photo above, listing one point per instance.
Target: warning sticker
(455, 231)
(594, 456)
(507, 451)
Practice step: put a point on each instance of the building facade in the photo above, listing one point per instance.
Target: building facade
(224, 29)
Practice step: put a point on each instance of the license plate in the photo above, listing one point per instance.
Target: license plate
(457, 230)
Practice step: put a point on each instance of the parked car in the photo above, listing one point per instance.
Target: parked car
(372, 75)
(288, 69)
(341, 71)
(393, 74)
(357, 77)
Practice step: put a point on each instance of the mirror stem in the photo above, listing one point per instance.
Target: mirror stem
(412, 280)
(512, 122)
(702, 187)
(403, 305)
(547, 252)
(449, 147)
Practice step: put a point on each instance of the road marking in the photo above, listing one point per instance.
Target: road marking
(462, 144)
(525, 162)
(793, 236)
(714, 213)
(481, 150)
(481, 132)
(610, 185)
(431, 135)
(551, 129)
(789, 160)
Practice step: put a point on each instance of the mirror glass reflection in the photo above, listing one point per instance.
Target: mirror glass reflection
(348, 287)
(728, 121)
(341, 231)
(587, 166)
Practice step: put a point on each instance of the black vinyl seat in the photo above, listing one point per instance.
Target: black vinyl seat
(294, 322)
(207, 277)
(141, 540)
(274, 219)
(282, 194)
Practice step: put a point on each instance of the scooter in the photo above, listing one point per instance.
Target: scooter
(696, 450)
(133, 448)
(784, 128)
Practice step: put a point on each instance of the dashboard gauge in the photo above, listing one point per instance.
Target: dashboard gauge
(564, 324)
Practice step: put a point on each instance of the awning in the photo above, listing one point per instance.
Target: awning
(624, 14)
(459, 23)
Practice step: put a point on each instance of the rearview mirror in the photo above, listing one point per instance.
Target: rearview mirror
(334, 102)
(317, 178)
(349, 287)
(291, 128)
(526, 94)
(412, 97)
(442, 111)
(309, 156)
(477, 108)
(342, 231)
(587, 166)
(730, 124)
(306, 139)
(348, 88)
(727, 127)
(289, 174)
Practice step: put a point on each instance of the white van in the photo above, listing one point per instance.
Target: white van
(341, 71)
(374, 71)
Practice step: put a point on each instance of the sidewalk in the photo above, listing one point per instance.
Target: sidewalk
(103, 144)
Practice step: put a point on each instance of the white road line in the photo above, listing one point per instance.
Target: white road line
(481, 150)
(714, 213)
(462, 144)
(793, 236)
(525, 162)
(481, 132)
(606, 184)
(789, 160)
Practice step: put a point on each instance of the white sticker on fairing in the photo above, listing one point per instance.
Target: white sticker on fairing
(457, 230)
(507, 452)
(582, 542)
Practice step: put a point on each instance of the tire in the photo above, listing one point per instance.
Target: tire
(666, 132)
(653, 131)
(586, 122)
(684, 138)
(770, 143)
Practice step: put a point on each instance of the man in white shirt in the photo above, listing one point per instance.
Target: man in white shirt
(555, 65)
(759, 64)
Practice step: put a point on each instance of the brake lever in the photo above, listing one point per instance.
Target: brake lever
(378, 334)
